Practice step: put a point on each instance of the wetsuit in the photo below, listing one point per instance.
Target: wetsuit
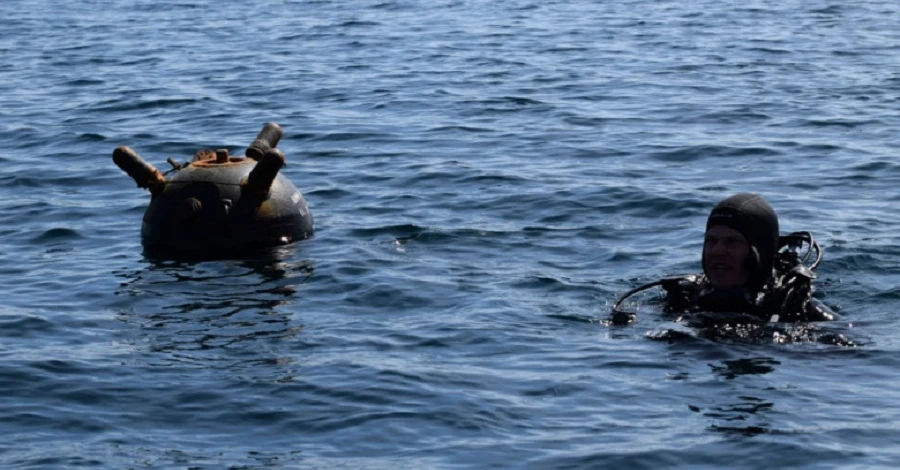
(778, 302)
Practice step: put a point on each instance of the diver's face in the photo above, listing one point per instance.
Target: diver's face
(725, 252)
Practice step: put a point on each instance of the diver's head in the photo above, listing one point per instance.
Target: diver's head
(740, 243)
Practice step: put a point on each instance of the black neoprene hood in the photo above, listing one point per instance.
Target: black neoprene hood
(755, 219)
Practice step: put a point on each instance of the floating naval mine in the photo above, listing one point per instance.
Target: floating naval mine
(217, 205)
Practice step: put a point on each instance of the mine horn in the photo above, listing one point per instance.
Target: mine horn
(143, 173)
(267, 139)
(260, 178)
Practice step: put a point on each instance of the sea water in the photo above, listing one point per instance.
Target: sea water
(487, 177)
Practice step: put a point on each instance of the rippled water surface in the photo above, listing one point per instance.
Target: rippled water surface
(486, 177)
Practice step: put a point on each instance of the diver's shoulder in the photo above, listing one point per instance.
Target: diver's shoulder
(816, 310)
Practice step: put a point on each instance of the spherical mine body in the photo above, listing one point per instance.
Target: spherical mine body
(219, 206)
(206, 208)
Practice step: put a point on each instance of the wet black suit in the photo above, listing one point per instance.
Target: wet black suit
(777, 303)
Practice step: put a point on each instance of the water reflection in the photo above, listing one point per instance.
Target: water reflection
(741, 411)
(747, 366)
(745, 414)
(229, 313)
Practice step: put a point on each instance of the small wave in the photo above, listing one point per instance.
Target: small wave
(574, 318)
(57, 234)
(875, 166)
(90, 137)
(770, 50)
(47, 179)
(358, 24)
(859, 262)
(401, 231)
(140, 105)
(698, 152)
(329, 194)
(731, 117)
(23, 325)
(829, 10)
(810, 148)
(849, 123)
(889, 294)
(84, 82)
(467, 129)
(346, 136)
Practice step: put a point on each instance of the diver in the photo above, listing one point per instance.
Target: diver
(750, 273)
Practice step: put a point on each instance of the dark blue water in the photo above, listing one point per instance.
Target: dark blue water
(487, 177)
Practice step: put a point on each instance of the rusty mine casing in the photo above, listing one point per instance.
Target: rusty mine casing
(218, 205)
